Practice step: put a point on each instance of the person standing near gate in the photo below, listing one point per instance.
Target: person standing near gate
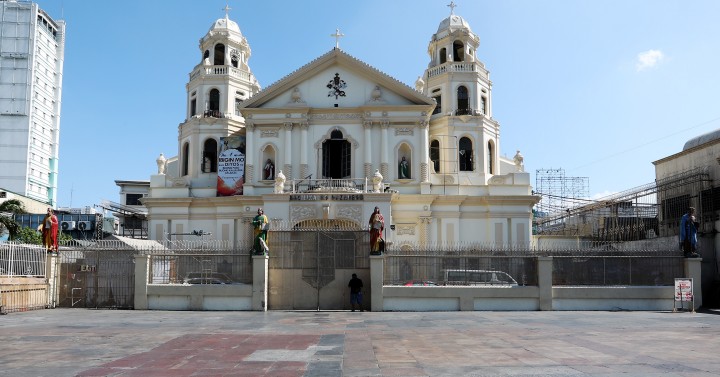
(261, 226)
(355, 285)
(688, 234)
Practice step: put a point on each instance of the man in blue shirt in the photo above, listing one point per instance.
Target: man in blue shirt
(688, 234)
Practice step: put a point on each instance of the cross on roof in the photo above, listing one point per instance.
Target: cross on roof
(337, 36)
(452, 6)
(227, 10)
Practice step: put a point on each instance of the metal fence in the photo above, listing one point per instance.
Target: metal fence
(593, 264)
(189, 267)
(460, 266)
(22, 260)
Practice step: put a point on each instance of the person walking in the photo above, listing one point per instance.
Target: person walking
(355, 285)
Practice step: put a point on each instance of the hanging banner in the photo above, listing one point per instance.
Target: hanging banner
(231, 166)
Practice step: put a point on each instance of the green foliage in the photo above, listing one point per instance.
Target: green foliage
(7, 222)
(29, 235)
(13, 206)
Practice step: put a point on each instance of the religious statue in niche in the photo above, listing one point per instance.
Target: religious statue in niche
(404, 169)
(336, 86)
(269, 170)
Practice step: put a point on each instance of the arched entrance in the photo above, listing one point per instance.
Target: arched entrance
(311, 264)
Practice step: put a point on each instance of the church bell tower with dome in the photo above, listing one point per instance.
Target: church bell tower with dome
(464, 136)
(218, 84)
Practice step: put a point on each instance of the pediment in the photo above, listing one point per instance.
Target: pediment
(336, 79)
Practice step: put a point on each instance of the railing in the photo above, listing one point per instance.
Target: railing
(330, 185)
(206, 268)
(22, 260)
(589, 264)
(221, 70)
(452, 67)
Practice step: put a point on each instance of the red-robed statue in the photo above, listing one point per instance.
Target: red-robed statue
(377, 225)
(49, 229)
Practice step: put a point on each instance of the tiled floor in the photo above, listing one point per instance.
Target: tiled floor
(78, 342)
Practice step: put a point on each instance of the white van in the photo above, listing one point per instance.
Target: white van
(478, 277)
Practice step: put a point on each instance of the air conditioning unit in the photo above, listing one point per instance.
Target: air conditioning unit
(84, 225)
(67, 225)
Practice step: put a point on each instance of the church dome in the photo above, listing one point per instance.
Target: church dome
(225, 24)
(454, 22)
(702, 139)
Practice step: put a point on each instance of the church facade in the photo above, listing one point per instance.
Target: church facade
(329, 142)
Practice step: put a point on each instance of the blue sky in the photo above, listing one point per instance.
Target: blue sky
(598, 88)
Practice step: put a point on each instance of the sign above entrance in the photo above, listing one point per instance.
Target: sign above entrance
(318, 197)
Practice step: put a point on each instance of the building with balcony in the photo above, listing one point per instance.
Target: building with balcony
(32, 48)
(336, 138)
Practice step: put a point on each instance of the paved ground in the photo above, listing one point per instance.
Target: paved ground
(79, 342)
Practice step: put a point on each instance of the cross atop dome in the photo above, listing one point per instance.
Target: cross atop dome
(227, 10)
(452, 6)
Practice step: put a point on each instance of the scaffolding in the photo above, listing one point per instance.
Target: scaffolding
(560, 192)
(647, 211)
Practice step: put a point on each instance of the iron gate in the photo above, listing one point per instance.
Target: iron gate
(310, 269)
(96, 279)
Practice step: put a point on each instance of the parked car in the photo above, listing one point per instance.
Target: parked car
(420, 283)
(478, 277)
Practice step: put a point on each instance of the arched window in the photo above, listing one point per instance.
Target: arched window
(443, 55)
(219, 57)
(490, 158)
(435, 155)
(458, 51)
(185, 158)
(214, 104)
(463, 102)
(209, 160)
(465, 154)
(336, 152)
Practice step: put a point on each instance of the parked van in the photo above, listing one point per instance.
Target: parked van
(478, 277)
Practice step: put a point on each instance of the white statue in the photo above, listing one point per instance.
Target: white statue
(419, 84)
(377, 181)
(279, 182)
(161, 161)
(518, 161)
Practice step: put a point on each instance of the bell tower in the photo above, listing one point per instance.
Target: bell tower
(218, 84)
(466, 138)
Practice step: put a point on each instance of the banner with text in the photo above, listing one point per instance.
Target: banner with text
(231, 166)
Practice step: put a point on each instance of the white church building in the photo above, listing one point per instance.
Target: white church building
(330, 141)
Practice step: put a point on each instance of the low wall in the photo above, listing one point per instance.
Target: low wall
(459, 298)
(18, 294)
(199, 297)
(525, 298)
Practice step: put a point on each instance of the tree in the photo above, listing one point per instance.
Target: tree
(9, 208)
(32, 236)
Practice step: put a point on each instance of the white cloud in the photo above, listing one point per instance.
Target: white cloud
(648, 59)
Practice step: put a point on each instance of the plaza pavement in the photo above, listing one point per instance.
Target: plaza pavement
(86, 342)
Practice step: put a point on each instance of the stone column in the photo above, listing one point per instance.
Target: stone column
(377, 266)
(249, 153)
(693, 269)
(142, 267)
(424, 128)
(384, 148)
(425, 230)
(260, 281)
(367, 173)
(545, 271)
(304, 151)
(53, 279)
(288, 150)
